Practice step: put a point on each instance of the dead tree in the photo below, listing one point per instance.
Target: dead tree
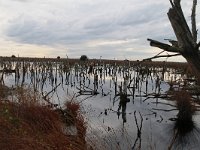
(187, 44)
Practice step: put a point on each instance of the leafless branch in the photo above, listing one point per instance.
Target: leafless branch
(198, 45)
(160, 53)
(160, 56)
(171, 3)
(46, 95)
(173, 140)
(139, 131)
(166, 110)
(164, 46)
(193, 21)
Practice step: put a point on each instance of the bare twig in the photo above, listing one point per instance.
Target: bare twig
(45, 96)
(166, 110)
(171, 3)
(161, 56)
(163, 103)
(139, 129)
(198, 45)
(173, 139)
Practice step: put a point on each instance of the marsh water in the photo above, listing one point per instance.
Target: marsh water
(144, 120)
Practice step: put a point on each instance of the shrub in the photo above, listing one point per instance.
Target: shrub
(27, 124)
(83, 58)
(184, 123)
(13, 56)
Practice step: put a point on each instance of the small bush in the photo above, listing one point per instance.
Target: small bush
(184, 123)
(83, 58)
(13, 56)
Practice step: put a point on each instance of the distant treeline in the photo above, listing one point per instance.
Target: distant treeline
(72, 61)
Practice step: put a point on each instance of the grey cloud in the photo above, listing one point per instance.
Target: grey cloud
(22, 0)
(131, 21)
(27, 31)
(32, 31)
(73, 24)
(89, 25)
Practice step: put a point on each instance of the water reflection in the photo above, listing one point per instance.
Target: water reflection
(108, 89)
(122, 104)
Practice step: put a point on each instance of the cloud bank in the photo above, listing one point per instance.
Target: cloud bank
(107, 28)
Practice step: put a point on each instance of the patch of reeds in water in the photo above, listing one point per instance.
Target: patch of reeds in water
(184, 122)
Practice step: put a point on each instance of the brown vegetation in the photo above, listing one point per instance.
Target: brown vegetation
(25, 123)
(184, 123)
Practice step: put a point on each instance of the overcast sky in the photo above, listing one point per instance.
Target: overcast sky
(113, 29)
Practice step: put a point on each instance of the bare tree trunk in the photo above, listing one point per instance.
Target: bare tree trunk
(194, 62)
(193, 19)
(187, 44)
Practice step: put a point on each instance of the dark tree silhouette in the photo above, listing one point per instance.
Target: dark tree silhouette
(13, 56)
(83, 58)
(186, 43)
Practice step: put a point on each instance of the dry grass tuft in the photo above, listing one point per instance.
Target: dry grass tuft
(184, 123)
(27, 124)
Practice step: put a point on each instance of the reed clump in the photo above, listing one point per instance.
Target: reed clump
(186, 110)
